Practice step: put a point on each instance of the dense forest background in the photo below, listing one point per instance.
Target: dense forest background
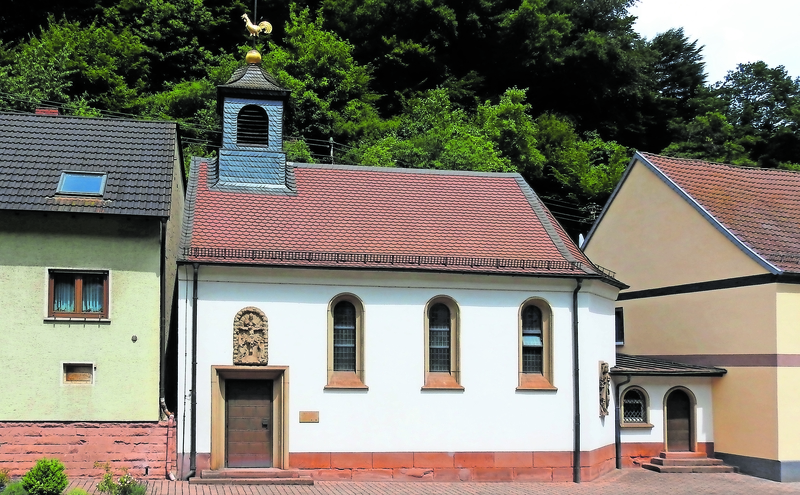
(562, 91)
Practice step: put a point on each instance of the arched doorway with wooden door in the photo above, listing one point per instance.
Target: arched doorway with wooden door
(679, 420)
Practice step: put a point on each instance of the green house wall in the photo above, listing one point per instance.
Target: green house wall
(126, 376)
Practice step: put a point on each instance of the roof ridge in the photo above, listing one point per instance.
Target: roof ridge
(399, 170)
(723, 164)
(85, 118)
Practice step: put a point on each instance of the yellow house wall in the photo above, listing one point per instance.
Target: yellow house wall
(34, 350)
(728, 321)
(651, 237)
(788, 338)
(745, 416)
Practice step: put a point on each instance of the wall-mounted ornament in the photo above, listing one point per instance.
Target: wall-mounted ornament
(605, 385)
(250, 338)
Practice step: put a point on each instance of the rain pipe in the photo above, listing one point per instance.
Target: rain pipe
(193, 420)
(618, 421)
(576, 453)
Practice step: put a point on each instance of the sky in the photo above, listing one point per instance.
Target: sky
(733, 31)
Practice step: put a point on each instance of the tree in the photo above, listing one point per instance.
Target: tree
(431, 133)
(68, 61)
(330, 90)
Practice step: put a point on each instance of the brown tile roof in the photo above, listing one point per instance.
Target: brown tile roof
(365, 217)
(650, 366)
(760, 208)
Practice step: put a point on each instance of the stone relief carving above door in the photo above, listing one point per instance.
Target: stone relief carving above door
(250, 337)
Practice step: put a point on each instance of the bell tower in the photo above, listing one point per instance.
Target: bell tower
(251, 104)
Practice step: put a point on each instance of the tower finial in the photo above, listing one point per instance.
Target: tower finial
(253, 57)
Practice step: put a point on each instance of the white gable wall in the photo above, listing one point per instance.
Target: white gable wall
(394, 415)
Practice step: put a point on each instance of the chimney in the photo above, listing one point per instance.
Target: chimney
(47, 111)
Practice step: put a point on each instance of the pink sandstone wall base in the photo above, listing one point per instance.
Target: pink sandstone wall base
(452, 466)
(442, 466)
(147, 449)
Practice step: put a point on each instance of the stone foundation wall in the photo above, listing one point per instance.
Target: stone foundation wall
(452, 466)
(146, 449)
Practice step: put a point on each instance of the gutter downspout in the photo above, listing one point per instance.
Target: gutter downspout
(163, 319)
(193, 420)
(576, 453)
(618, 421)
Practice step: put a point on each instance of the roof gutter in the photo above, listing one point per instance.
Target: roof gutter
(576, 452)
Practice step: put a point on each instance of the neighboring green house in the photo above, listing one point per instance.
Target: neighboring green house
(90, 213)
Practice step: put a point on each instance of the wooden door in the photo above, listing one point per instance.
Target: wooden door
(679, 431)
(248, 423)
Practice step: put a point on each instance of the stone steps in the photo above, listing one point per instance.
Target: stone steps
(251, 481)
(687, 462)
(264, 476)
(706, 461)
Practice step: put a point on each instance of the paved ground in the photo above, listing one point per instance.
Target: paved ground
(625, 482)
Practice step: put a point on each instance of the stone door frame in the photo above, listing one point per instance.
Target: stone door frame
(279, 375)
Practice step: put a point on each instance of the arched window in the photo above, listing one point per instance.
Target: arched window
(634, 408)
(439, 337)
(442, 344)
(532, 359)
(252, 125)
(346, 342)
(344, 337)
(535, 346)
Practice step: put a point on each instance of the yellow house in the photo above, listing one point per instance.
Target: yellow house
(712, 256)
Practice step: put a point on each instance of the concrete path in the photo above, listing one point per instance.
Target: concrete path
(625, 482)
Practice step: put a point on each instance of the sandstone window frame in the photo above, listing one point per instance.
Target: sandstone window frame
(443, 380)
(543, 380)
(645, 398)
(354, 380)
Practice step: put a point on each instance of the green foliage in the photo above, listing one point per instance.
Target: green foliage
(709, 137)
(77, 491)
(4, 478)
(431, 133)
(45, 478)
(124, 485)
(297, 151)
(330, 91)
(15, 488)
(584, 170)
(68, 60)
(510, 126)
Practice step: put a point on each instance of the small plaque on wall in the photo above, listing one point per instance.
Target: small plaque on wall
(309, 416)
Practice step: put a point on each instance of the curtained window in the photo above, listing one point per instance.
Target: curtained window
(78, 295)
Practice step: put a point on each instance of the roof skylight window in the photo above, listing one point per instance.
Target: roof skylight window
(82, 183)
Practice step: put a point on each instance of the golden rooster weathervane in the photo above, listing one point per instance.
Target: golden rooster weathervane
(256, 29)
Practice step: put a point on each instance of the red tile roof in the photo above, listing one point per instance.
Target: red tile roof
(348, 216)
(760, 207)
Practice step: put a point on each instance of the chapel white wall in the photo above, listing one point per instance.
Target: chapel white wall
(394, 414)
